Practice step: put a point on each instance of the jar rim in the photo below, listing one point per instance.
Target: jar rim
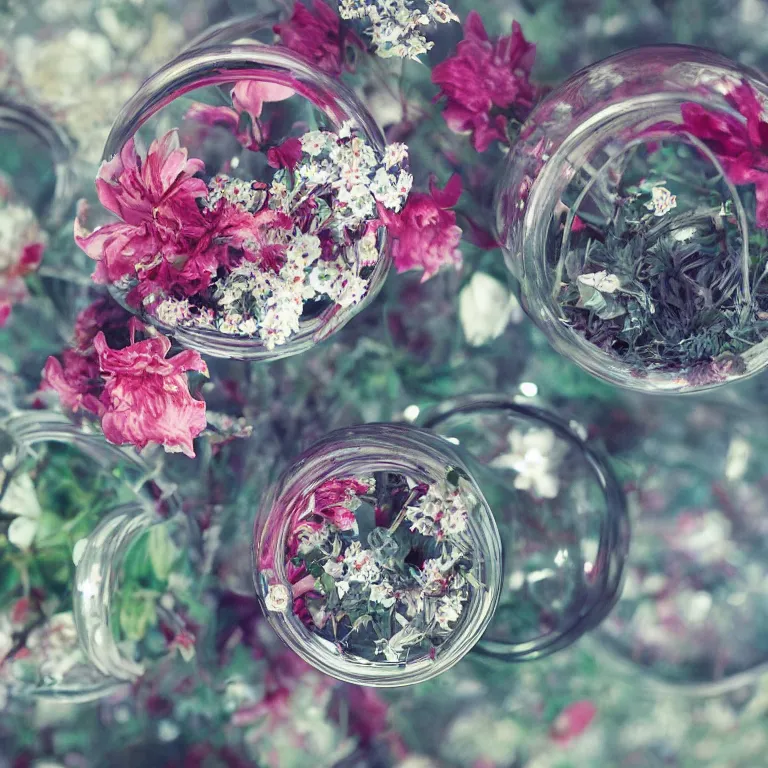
(485, 535)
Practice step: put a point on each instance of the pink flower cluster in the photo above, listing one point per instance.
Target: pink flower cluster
(165, 238)
(486, 83)
(318, 35)
(425, 232)
(139, 395)
(741, 146)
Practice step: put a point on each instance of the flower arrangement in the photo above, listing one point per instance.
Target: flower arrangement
(381, 566)
(246, 258)
(663, 268)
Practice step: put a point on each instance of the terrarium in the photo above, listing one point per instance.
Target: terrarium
(376, 556)
(247, 186)
(56, 484)
(633, 212)
(693, 611)
(561, 515)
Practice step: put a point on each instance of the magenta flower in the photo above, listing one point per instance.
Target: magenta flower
(287, 155)
(573, 721)
(146, 397)
(317, 35)
(248, 100)
(741, 147)
(12, 287)
(155, 198)
(425, 232)
(76, 380)
(486, 82)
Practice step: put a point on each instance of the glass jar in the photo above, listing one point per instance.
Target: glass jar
(693, 611)
(631, 211)
(137, 598)
(377, 558)
(57, 483)
(264, 250)
(561, 515)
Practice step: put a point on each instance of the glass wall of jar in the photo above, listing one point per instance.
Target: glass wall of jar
(693, 612)
(561, 514)
(57, 482)
(246, 185)
(138, 600)
(376, 556)
(632, 210)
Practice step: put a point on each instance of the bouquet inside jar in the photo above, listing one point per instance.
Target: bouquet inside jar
(662, 254)
(254, 215)
(382, 566)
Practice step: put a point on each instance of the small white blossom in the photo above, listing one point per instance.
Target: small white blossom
(535, 456)
(395, 154)
(382, 593)
(601, 280)
(313, 142)
(662, 201)
(278, 598)
(448, 610)
(360, 564)
(334, 569)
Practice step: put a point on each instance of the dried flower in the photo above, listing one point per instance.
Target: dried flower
(426, 234)
(486, 83)
(318, 35)
(146, 396)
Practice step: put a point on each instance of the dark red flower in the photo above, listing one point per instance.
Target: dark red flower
(572, 721)
(287, 155)
(425, 232)
(317, 34)
(486, 82)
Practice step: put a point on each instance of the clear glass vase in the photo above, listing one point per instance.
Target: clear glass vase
(561, 515)
(632, 212)
(249, 244)
(57, 482)
(376, 556)
(137, 600)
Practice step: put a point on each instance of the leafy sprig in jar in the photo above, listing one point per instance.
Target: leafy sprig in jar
(632, 211)
(56, 483)
(249, 227)
(376, 556)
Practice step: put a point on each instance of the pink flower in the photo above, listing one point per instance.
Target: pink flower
(76, 379)
(741, 147)
(146, 397)
(287, 155)
(329, 501)
(155, 198)
(12, 287)
(573, 721)
(425, 231)
(248, 99)
(484, 78)
(317, 35)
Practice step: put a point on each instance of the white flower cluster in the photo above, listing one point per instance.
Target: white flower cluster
(396, 25)
(444, 590)
(348, 165)
(441, 513)
(662, 201)
(247, 195)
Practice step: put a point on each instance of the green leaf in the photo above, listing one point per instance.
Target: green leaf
(137, 613)
(163, 553)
